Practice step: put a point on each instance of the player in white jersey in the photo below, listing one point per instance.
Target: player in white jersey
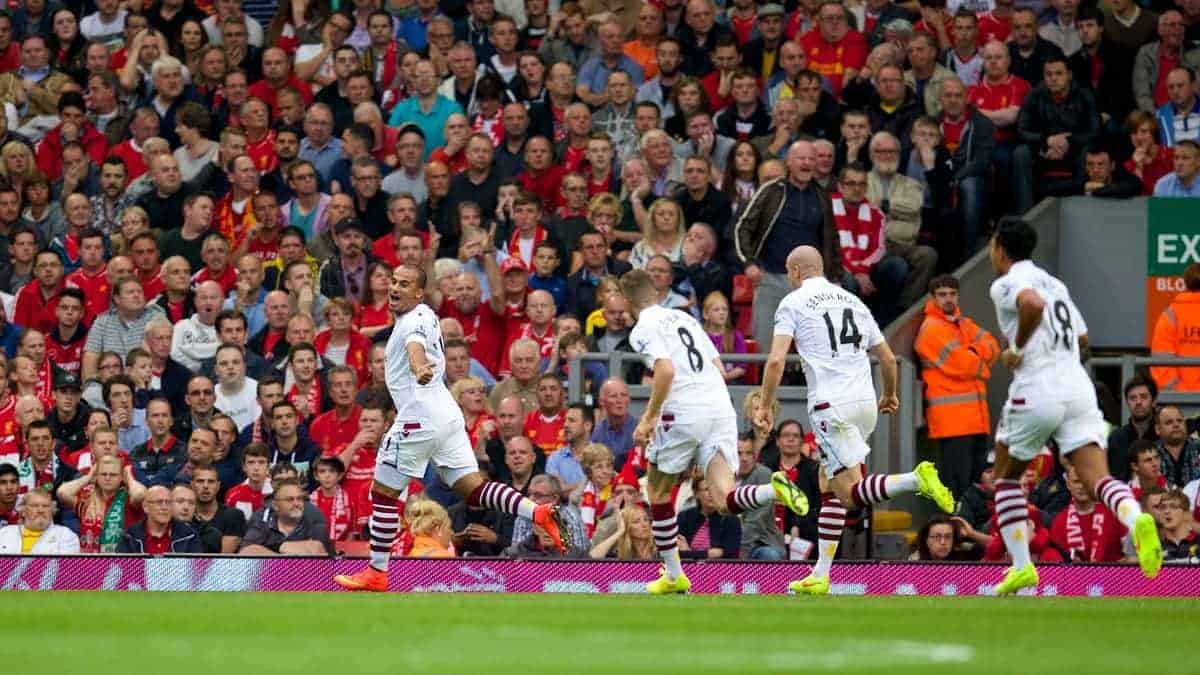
(836, 335)
(429, 427)
(689, 420)
(1051, 396)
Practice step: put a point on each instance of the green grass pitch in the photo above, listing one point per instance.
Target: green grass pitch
(244, 634)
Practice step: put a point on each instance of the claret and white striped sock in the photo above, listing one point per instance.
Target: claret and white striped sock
(1118, 498)
(383, 526)
(830, 523)
(749, 497)
(1012, 512)
(876, 487)
(503, 498)
(666, 534)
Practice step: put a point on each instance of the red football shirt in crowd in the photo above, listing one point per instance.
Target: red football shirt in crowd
(327, 431)
(1007, 93)
(832, 60)
(482, 329)
(545, 432)
(245, 498)
(96, 290)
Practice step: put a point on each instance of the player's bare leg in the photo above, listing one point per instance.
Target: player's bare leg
(1012, 515)
(659, 486)
(735, 500)
(383, 527)
(497, 496)
(1091, 465)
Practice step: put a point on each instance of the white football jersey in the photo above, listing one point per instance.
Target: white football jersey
(1050, 360)
(833, 330)
(431, 402)
(663, 333)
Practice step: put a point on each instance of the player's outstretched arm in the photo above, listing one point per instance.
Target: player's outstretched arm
(773, 373)
(889, 402)
(418, 363)
(664, 375)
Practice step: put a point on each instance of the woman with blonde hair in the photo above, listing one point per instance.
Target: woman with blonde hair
(604, 214)
(633, 540)
(431, 529)
(134, 221)
(107, 500)
(17, 165)
(728, 340)
(662, 233)
(471, 395)
(750, 407)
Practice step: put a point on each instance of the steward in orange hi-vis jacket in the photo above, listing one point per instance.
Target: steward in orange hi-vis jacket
(956, 357)
(1177, 333)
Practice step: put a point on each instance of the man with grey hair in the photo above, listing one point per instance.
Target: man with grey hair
(530, 541)
(169, 94)
(153, 148)
(319, 145)
(524, 357)
(901, 199)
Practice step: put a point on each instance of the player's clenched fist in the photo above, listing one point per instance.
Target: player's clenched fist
(424, 374)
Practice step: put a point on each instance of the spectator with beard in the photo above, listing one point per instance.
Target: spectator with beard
(1141, 394)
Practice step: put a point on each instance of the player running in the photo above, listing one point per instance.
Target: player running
(1050, 395)
(429, 426)
(834, 332)
(688, 420)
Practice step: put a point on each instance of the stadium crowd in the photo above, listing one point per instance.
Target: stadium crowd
(200, 210)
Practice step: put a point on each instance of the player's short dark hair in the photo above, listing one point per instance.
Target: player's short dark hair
(1016, 237)
(1141, 380)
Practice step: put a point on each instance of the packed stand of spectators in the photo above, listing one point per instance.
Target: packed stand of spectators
(200, 211)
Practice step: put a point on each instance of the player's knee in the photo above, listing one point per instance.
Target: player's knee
(383, 493)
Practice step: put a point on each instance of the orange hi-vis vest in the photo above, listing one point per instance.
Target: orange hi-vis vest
(1177, 333)
(956, 358)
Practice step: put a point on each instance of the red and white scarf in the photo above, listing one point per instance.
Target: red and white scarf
(339, 516)
(591, 504)
(313, 399)
(1080, 550)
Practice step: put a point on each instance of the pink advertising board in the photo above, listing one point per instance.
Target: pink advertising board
(533, 576)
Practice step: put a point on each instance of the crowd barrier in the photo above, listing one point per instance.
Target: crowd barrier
(533, 576)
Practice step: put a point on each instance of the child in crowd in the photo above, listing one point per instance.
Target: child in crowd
(333, 501)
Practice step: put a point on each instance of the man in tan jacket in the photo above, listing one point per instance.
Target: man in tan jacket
(33, 88)
(900, 198)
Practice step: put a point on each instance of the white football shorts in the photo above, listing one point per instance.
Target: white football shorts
(842, 430)
(681, 440)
